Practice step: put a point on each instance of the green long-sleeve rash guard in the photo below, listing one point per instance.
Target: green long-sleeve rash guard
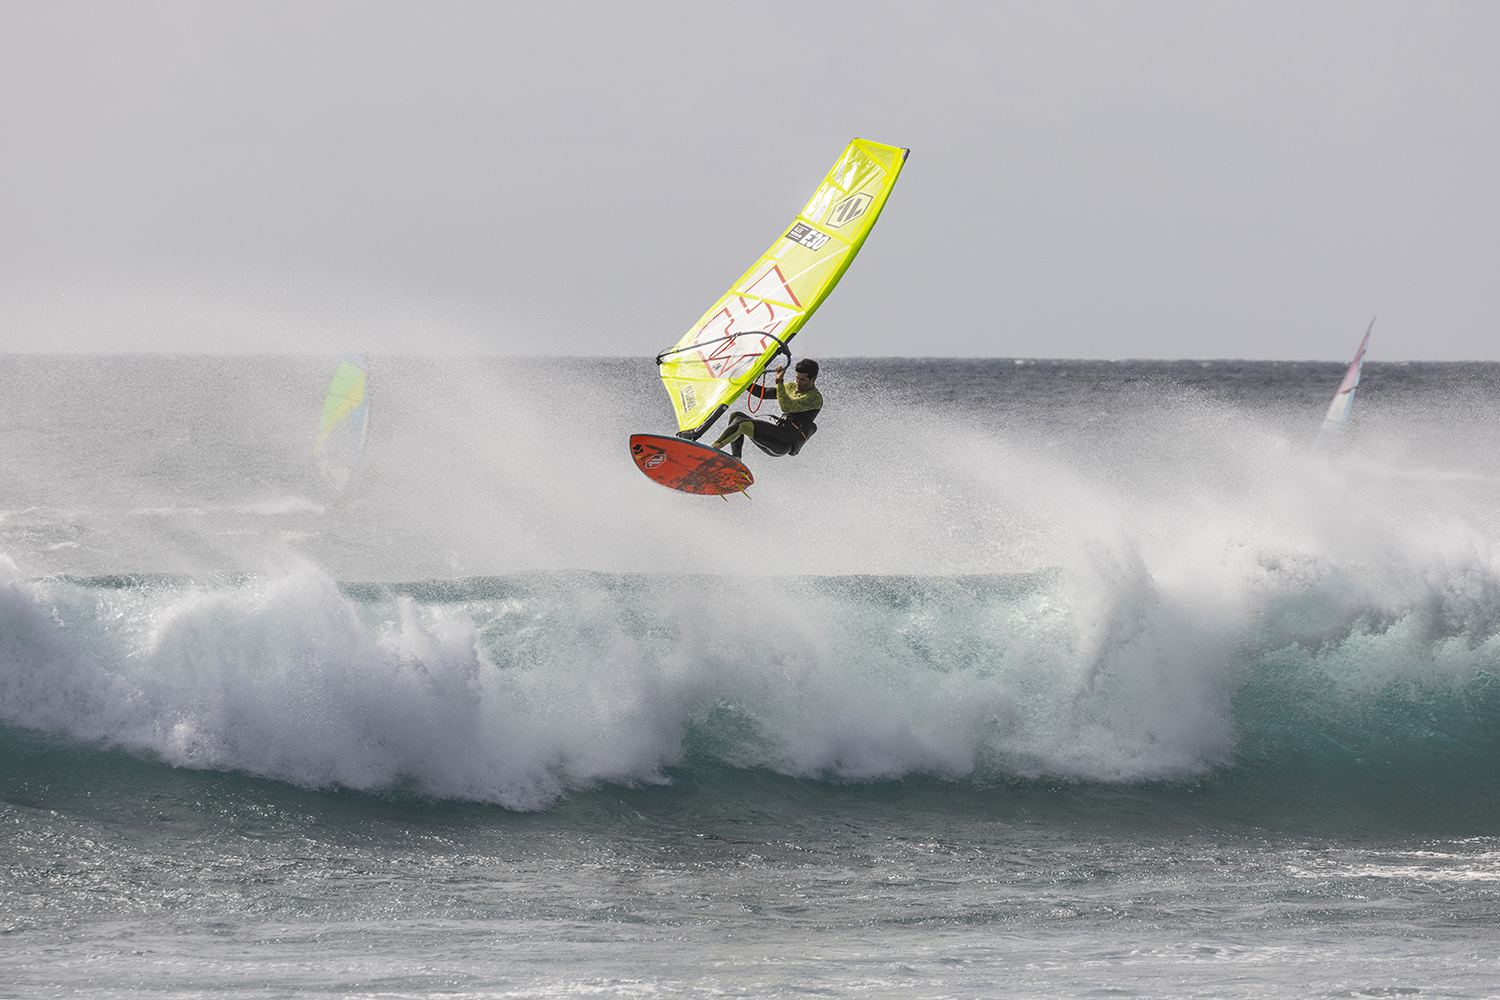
(800, 407)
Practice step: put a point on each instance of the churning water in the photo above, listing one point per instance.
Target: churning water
(1023, 679)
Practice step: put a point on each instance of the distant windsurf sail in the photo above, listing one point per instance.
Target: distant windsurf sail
(1343, 400)
(346, 413)
(742, 333)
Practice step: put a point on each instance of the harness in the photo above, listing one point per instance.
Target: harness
(785, 420)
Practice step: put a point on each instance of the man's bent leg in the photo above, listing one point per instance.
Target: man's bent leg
(740, 425)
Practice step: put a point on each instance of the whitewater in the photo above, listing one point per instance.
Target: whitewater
(1024, 678)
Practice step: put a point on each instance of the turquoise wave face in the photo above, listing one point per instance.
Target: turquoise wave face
(1321, 742)
(527, 690)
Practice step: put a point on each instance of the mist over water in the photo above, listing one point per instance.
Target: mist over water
(992, 599)
(985, 571)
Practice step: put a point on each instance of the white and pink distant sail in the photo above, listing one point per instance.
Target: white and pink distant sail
(1338, 410)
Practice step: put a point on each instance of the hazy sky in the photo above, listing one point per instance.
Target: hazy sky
(1108, 180)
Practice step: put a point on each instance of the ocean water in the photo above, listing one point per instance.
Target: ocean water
(1025, 679)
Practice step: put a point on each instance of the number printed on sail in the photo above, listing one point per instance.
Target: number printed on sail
(807, 236)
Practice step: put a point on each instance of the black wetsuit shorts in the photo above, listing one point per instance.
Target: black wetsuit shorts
(771, 438)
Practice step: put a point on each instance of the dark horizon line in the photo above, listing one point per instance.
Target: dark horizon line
(1019, 360)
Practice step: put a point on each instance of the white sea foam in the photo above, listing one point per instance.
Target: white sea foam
(519, 690)
(280, 505)
(289, 678)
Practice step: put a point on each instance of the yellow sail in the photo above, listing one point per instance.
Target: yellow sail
(735, 340)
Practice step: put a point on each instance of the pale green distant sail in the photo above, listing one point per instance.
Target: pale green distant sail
(751, 323)
(346, 413)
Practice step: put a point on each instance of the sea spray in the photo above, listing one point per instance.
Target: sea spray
(1010, 572)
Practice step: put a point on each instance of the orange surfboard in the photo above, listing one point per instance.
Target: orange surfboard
(688, 466)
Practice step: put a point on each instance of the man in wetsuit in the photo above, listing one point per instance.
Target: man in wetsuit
(799, 407)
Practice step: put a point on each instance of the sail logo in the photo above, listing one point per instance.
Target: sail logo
(745, 326)
(849, 209)
(729, 352)
(807, 236)
(689, 398)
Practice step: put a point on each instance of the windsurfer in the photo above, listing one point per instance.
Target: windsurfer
(800, 404)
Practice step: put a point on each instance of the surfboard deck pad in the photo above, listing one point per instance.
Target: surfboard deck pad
(688, 466)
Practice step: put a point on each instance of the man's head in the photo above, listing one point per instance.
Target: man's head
(807, 373)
